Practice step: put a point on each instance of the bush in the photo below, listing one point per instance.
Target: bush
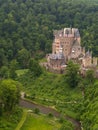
(65, 128)
(50, 115)
(32, 97)
(61, 120)
(36, 111)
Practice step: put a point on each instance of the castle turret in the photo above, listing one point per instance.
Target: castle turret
(87, 59)
(83, 50)
(61, 50)
(95, 61)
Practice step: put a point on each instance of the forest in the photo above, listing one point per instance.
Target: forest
(26, 26)
(26, 36)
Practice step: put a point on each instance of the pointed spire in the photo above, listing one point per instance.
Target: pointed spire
(71, 28)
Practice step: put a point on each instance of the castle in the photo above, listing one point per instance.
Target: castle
(67, 46)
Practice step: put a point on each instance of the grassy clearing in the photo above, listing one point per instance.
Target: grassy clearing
(21, 72)
(40, 122)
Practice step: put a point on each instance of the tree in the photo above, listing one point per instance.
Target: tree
(4, 72)
(3, 60)
(35, 68)
(12, 68)
(88, 115)
(9, 93)
(23, 57)
(90, 76)
(72, 74)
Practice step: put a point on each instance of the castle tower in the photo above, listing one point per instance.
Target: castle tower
(55, 46)
(87, 59)
(60, 50)
(67, 46)
(65, 38)
(83, 50)
(95, 61)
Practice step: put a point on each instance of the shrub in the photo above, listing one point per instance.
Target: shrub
(36, 111)
(50, 115)
(61, 120)
(65, 128)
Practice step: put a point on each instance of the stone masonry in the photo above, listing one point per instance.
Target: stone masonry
(67, 46)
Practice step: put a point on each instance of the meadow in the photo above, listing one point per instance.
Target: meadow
(40, 122)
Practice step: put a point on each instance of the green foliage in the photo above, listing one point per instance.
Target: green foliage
(21, 72)
(67, 126)
(72, 74)
(36, 111)
(26, 27)
(51, 90)
(4, 72)
(50, 115)
(35, 68)
(1, 109)
(90, 76)
(40, 122)
(23, 57)
(61, 120)
(9, 93)
(10, 121)
(12, 69)
(89, 107)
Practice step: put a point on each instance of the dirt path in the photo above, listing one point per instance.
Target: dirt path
(47, 110)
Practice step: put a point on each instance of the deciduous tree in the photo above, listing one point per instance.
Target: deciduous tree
(9, 93)
(72, 74)
(34, 67)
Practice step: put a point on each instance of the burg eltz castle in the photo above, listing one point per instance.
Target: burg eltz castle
(67, 46)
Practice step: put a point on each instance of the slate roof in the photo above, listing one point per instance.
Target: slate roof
(56, 56)
(67, 32)
(88, 54)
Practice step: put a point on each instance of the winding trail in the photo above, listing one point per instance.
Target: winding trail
(46, 110)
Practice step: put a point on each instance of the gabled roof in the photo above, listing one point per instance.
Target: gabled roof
(88, 54)
(76, 43)
(56, 56)
(67, 31)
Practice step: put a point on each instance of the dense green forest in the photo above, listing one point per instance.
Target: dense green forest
(26, 26)
(26, 35)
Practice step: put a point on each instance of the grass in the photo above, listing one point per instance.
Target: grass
(40, 122)
(51, 90)
(9, 121)
(21, 72)
(43, 60)
(22, 120)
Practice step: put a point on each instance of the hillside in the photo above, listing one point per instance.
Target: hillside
(26, 27)
(26, 36)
